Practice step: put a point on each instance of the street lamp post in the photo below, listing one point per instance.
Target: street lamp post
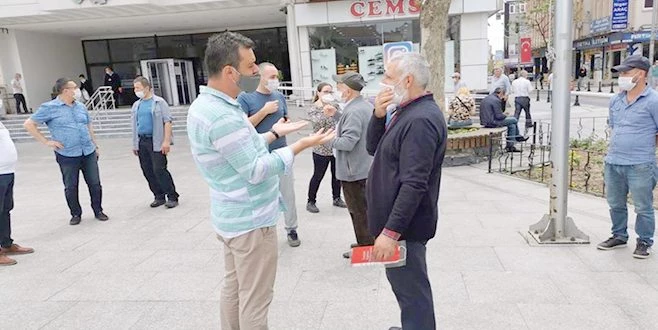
(556, 227)
(652, 40)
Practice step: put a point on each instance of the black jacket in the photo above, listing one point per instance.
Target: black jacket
(402, 189)
(114, 80)
(87, 86)
(491, 112)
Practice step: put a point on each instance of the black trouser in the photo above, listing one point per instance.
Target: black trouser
(154, 168)
(412, 289)
(522, 103)
(355, 198)
(6, 205)
(71, 167)
(20, 98)
(320, 164)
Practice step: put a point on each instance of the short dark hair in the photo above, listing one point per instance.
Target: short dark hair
(143, 81)
(60, 84)
(109, 67)
(81, 76)
(499, 90)
(224, 49)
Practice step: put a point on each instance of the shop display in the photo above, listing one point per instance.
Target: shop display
(371, 65)
(323, 65)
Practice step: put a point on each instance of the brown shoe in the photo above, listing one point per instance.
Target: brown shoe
(16, 249)
(6, 261)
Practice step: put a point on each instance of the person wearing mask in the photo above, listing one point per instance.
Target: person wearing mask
(17, 88)
(113, 80)
(243, 176)
(265, 107)
(323, 114)
(152, 140)
(85, 87)
(521, 88)
(404, 181)
(352, 158)
(74, 144)
(462, 107)
(630, 165)
(7, 167)
(491, 115)
(458, 82)
(582, 75)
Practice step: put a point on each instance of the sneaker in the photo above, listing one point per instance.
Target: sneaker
(312, 208)
(293, 239)
(611, 243)
(102, 216)
(512, 149)
(158, 202)
(171, 204)
(642, 250)
(75, 220)
(338, 202)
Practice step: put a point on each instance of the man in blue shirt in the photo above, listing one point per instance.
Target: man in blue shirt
(74, 144)
(630, 165)
(152, 132)
(265, 107)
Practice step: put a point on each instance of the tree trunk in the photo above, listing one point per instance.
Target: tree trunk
(434, 24)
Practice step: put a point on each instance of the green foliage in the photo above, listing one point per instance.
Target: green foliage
(593, 144)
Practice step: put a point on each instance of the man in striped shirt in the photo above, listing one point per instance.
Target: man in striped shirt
(243, 177)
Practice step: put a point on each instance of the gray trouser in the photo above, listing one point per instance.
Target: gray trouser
(287, 189)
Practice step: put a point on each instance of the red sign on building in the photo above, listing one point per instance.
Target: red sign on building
(382, 8)
(526, 50)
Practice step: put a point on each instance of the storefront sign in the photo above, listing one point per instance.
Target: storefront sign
(591, 42)
(526, 50)
(600, 25)
(619, 15)
(383, 8)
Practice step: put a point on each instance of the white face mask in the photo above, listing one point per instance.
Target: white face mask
(328, 98)
(397, 97)
(626, 83)
(339, 96)
(77, 94)
(82, 80)
(273, 85)
(140, 94)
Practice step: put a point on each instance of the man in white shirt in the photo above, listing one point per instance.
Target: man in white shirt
(7, 167)
(522, 87)
(17, 88)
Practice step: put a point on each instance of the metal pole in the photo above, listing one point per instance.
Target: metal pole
(556, 227)
(652, 40)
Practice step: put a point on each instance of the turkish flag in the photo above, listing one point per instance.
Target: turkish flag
(526, 50)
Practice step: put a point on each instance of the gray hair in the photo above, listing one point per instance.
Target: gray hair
(224, 49)
(523, 73)
(415, 65)
(143, 81)
(264, 65)
(60, 84)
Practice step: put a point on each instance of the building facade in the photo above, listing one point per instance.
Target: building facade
(307, 40)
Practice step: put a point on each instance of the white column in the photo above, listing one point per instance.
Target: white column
(293, 46)
(473, 50)
(305, 58)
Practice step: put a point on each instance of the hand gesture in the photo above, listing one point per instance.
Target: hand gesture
(320, 137)
(271, 107)
(382, 101)
(283, 127)
(329, 110)
(54, 145)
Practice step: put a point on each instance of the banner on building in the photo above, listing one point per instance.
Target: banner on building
(619, 15)
(526, 50)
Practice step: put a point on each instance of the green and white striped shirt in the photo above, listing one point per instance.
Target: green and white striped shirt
(235, 162)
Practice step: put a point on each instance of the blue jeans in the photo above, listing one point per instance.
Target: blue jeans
(639, 180)
(412, 289)
(70, 168)
(512, 130)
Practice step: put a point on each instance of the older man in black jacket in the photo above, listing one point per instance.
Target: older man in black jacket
(491, 115)
(403, 183)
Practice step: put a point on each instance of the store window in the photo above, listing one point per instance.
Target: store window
(96, 51)
(648, 3)
(521, 8)
(133, 49)
(512, 9)
(176, 47)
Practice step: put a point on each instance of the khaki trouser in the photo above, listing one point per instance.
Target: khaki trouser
(250, 269)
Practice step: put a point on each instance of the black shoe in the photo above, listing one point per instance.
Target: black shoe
(338, 202)
(293, 239)
(102, 216)
(347, 255)
(75, 220)
(170, 204)
(611, 243)
(512, 149)
(312, 208)
(158, 202)
(642, 250)
(522, 138)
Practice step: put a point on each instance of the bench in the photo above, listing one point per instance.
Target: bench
(471, 147)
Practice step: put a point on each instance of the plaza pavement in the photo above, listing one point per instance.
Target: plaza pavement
(162, 269)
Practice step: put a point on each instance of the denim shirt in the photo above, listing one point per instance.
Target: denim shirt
(634, 128)
(161, 115)
(68, 125)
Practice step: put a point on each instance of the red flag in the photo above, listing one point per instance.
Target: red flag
(526, 50)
